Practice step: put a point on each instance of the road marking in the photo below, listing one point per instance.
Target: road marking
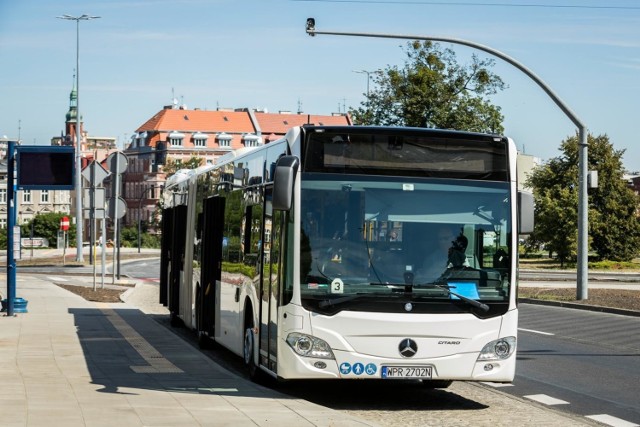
(535, 332)
(611, 421)
(546, 400)
(57, 279)
(157, 362)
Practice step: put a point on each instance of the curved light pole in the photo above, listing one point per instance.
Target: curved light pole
(582, 277)
(140, 212)
(368, 73)
(78, 150)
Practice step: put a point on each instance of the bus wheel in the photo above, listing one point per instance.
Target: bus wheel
(249, 345)
(204, 342)
(174, 320)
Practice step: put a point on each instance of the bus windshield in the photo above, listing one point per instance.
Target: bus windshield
(369, 241)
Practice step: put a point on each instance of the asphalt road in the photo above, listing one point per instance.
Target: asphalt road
(584, 362)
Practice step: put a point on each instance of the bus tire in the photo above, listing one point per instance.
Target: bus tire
(204, 342)
(174, 320)
(248, 350)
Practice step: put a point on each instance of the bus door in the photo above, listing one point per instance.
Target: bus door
(165, 254)
(213, 243)
(270, 289)
(178, 241)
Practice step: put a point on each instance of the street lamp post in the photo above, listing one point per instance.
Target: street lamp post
(582, 277)
(140, 212)
(368, 73)
(78, 150)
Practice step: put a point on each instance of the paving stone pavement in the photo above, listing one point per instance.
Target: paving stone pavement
(70, 362)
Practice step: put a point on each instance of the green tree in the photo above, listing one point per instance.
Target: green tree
(3, 239)
(129, 238)
(613, 206)
(433, 90)
(47, 225)
(614, 225)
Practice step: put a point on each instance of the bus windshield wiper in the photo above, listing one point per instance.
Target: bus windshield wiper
(447, 288)
(335, 301)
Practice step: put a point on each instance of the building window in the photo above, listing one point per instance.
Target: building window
(44, 196)
(251, 140)
(3, 195)
(199, 139)
(224, 140)
(26, 196)
(3, 223)
(175, 139)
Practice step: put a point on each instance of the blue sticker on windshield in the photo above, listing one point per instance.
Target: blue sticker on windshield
(466, 289)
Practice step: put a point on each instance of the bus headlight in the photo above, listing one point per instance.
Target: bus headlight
(498, 350)
(309, 346)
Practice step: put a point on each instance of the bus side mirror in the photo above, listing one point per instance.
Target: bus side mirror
(526, 208)
(284, 179)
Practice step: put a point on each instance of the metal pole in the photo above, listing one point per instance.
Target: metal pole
(103, 247)
(582, 276)
(582, 291)
(78, 183)
(139, 228)
(115, 220)
(140, 219)
(368, 78)
(92, 221)
(78, 148)
(11, 222)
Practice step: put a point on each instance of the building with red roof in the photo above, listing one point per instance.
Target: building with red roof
(179, 134)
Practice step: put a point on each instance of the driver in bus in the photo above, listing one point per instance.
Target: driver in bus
(457, 257)
(448, 251)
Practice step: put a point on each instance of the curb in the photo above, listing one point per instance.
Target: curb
(565, 304)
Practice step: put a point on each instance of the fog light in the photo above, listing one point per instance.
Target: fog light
(488, 367)
(320, 365)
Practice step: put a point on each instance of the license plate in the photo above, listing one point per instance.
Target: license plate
(423, 372)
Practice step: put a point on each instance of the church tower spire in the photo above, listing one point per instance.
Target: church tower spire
(70, 127)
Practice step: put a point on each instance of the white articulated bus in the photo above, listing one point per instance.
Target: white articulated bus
(352, 252)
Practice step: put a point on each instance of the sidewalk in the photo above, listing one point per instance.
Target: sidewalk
(69, 362)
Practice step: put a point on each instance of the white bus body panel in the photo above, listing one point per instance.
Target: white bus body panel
(228, 314)
(231, 293)
(187, 285)
(450, 343)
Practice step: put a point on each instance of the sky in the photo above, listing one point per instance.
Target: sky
(140, 55)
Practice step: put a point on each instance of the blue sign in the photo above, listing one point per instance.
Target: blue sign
(358, 368)
(371, 369)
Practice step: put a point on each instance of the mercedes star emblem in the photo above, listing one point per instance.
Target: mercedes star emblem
(408, 347)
